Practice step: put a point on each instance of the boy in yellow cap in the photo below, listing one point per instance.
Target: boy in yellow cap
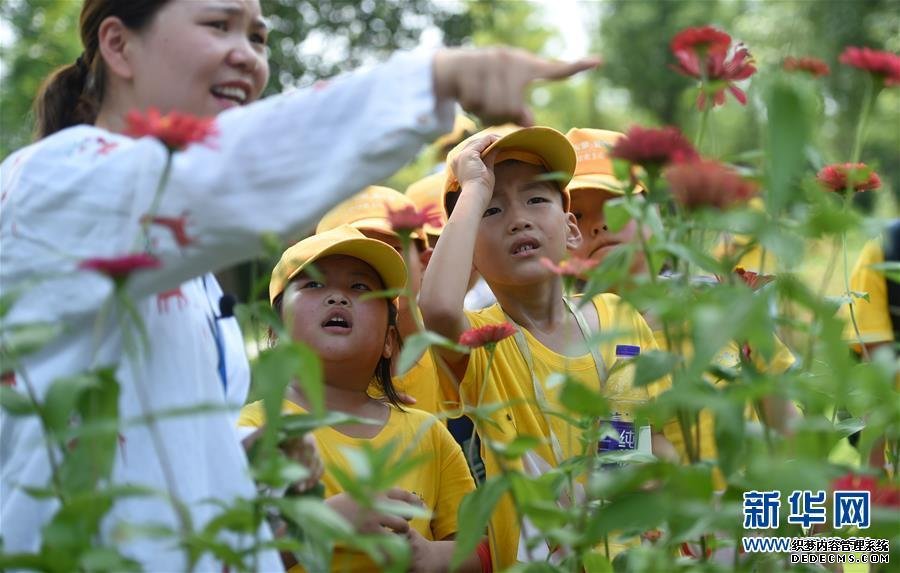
(505, 215)
(593, 184)
(367, 211)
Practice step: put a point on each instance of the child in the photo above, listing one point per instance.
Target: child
(274, 167)
(367, 211)
(354, 337)
(505, 217)
(592, 186)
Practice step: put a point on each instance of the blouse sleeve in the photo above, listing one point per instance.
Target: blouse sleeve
(274, 168)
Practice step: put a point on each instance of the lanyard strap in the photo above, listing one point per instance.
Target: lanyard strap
(539, 394)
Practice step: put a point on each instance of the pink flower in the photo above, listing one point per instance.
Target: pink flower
(651, 147)
(409, 219)
(177, 225)
(120, 268)
(861, 178)
(487, 335)
(812, 66)
(753, 280)
(175, 130)
(708, 183)
(883, 65)
(702, 53)
(883, 495)
(574, 267)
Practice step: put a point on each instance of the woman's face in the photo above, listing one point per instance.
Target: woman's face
(200, 57)
(328, 311)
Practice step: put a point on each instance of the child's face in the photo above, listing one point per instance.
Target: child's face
(597, 240)
(327, 312)
(523, 223)
(199, 57)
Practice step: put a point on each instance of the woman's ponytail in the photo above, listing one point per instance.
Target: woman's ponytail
(63, 100)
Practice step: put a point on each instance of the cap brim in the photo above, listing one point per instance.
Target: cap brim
(600, 181)
(379, 255)
(382, 226)
(548, 144)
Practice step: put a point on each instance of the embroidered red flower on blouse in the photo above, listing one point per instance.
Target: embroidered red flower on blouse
(177, 225)
(409, 219)
(812, 66)
(120, 268)
(708, 183)
(652, 147)
(883, 495)
(882, 65)
(703, 53)
(574, 267)
(487, 335)
(175, 130)
(861, 177)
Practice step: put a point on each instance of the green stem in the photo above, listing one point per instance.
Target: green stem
(406, 241)
(48, 438)
(868, 99)
(146, 221)
(704, 121)
(470, 454)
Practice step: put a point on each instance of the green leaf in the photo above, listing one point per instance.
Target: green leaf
(616, 215)
(16, 403)
(417, 344)
(517, 447)
(24, 339)
(560, 176)
(653, 365)
(474, 513)
(296, 425)
(390, 294)
(789, 132)
(582, 400)
(401, 509)
(890, 269)
(62, 397)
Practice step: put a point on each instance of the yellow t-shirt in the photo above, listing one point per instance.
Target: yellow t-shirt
(873, 316)
(441, 482)
(728, 357)
(421, 382)
(510, 383)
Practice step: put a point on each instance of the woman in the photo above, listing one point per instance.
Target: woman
(275, 166)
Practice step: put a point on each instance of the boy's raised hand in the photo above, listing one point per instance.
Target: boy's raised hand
(474, 171)
(491, 82)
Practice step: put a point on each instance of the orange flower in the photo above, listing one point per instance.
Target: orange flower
(487, 335)
(175, 224)
(409, 219)
(753, 280)
(812, 66)
(651, 147)
(708, 183)
(702, 53)
(883, 65)
(120, 268)
(574, 267)
(175, 130)
(861, 178)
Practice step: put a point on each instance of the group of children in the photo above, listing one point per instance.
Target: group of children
(503, 218)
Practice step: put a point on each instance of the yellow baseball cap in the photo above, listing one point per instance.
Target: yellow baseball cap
(463, 127)
(426, 192)
(538, 145)
(342, 240)
(594, 168)
(368, 209)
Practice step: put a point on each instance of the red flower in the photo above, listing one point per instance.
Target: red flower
(835, 177)
(653, 147)
(753, 280)
(886, 495)
(813, 66)
(575, 267)
(175, 130)
(409, 219)
(708, 183)
(175, 224)
(883, 65)
(702, 53)
(119, 268)
(8, 378)
(486, 335)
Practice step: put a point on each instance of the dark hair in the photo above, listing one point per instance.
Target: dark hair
(382, 372)
(72, 94)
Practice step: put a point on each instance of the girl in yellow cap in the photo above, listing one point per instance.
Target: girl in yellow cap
(354, 335)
